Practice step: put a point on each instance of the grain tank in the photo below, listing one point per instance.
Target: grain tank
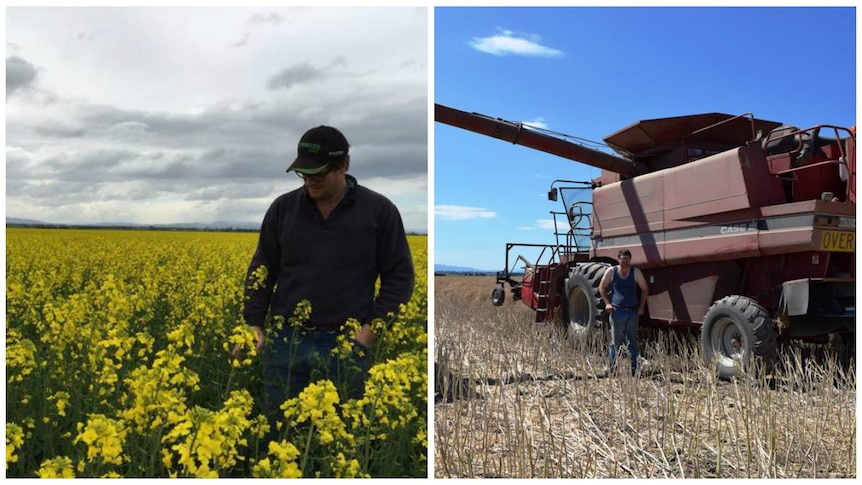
(742, 227)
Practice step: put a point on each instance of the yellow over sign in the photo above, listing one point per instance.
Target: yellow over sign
(840, 241)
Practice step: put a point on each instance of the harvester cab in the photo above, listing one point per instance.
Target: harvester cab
(743, 227)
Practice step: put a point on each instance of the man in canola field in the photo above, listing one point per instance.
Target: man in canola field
(326, 242)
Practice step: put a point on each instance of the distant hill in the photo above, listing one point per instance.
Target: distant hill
(192, 226)
(14, 221)
(445, 268)
(188, 226)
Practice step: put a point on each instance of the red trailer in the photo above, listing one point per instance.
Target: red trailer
(742, 227)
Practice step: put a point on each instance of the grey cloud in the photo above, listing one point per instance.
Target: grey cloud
(82, 165)
(243, 142)
(293, 75)
(255, 20)
(106, 164)
(60, 130)
(242, 41)
(51, 193)
(158, 167)
(302, 73)
(130, 126)
(18, 164)
(19, 74)
(59, 193)
(110, 119)
(231, 190)
(271, 18)
(237, 163)
(393, 143)
(225, 156)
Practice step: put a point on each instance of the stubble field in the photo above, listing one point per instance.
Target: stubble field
(520, 400)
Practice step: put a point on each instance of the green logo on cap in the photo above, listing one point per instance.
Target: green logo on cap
(312, 147)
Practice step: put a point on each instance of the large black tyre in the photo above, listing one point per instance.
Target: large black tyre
(583, 304)
(737, 331)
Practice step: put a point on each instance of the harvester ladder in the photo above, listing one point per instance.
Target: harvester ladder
(543, 292)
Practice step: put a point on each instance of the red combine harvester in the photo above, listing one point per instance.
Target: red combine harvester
(742, 227)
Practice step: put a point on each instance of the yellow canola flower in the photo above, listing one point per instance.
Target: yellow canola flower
(59, 467)
(61, 400)
(344, 342)
(14, 441)
(259, 426)
(257, 279)
(129, 325)
(344, 468)
(421, 438)
(394, 392)
(301, 314)
(242, 339)
(208, 441)
(282, 465)
(20, 360)
(158, 392)
(104, 438)
(317, 404)
(147, 341)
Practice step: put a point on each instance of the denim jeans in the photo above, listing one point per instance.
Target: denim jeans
(292, 364)
(624, 326)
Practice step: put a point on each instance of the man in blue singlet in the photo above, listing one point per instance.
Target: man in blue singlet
(624, 305)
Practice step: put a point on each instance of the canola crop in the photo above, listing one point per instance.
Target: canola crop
(119, 364)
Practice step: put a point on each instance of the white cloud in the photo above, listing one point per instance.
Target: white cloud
(545, 224)
(506, 43)
(462, 213)
(537, 123)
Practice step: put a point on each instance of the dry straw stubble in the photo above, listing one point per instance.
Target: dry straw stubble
(516, 399)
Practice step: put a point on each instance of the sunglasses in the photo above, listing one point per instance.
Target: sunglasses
(317, 176)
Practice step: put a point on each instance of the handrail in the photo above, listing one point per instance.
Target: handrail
(814, 131)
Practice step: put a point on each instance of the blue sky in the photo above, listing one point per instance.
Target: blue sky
(588, 72)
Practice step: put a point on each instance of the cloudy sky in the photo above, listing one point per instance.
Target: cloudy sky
(167, 115)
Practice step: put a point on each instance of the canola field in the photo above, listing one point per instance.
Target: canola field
(119, 364)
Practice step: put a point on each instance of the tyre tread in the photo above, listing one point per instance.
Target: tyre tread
(765, 340)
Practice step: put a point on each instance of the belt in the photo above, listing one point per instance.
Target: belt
(626, 308)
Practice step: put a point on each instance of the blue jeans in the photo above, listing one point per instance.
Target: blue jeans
(291, 365)
(624, 326)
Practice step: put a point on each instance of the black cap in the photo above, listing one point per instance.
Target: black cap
(317, 148)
